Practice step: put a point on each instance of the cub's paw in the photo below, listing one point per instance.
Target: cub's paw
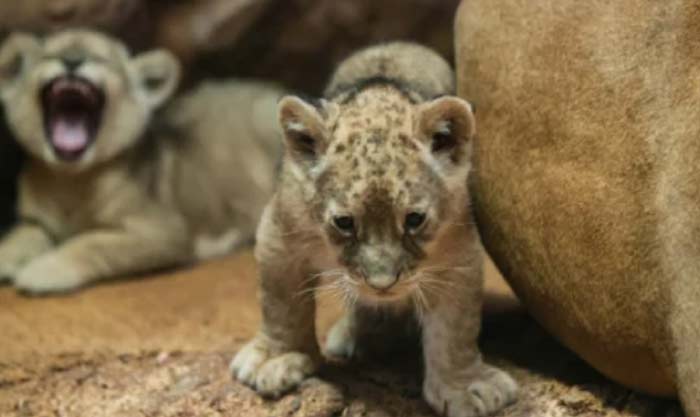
(8, 269)
(341, 342)
(479, 394)
(6, 273)
(48, 274)
(270, 373)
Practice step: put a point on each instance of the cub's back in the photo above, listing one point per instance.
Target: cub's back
(226, 152)
(413, 66)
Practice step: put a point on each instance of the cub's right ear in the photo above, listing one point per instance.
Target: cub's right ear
(448, 125)
(303, 128)
(158, 75)
(16, 55)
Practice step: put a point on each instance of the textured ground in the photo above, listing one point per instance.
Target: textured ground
(160, 347)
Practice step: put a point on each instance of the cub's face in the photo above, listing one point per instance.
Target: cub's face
(385, 177)
(77, 98)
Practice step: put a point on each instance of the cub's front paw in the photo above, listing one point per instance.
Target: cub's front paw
(48, 274)
(8, 269)
(480, 393)
(270, 373)
(6, 273)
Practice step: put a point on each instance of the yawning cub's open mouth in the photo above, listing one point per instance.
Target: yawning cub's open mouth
(72, 109)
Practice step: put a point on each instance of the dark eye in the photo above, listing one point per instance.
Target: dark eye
(414, 220)
(345, 224)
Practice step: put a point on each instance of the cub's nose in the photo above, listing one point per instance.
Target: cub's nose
(382, 282)
(72, 62)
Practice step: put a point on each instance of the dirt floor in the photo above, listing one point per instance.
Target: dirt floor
(160, 346)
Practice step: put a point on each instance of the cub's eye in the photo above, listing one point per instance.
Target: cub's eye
(414, 220)
(345, 224)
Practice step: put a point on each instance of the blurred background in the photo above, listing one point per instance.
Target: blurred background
(294, 42)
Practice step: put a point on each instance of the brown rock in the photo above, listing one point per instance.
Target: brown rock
(160, 346)
(294, 41)
(129, 19)
(299, 41)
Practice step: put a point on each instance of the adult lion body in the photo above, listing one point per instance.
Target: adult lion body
(586, 183)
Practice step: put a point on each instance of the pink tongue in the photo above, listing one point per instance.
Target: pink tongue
(69, 135)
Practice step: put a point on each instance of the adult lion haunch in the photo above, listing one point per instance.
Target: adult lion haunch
(587, 183)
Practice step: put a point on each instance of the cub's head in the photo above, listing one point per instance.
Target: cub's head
(384, 177)
(77, 98)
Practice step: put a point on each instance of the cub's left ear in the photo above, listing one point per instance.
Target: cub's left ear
(157, 74)
(448, 124)
(17, 54)
(303, 128)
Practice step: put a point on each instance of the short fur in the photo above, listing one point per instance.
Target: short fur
(586, 185)
(153, 189)
(378, 150)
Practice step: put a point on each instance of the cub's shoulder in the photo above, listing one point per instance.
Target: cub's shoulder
(234, 110)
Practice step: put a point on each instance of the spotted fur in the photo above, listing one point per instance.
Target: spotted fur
(373, 200)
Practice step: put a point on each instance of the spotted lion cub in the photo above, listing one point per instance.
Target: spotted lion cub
(112, 186)
(373, 197)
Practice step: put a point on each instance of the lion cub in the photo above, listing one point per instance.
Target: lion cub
(112, 187)
(373, 197)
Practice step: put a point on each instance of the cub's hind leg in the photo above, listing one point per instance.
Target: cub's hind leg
(341, 341)
(365, 331)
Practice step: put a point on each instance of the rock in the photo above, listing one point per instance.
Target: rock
(294, 41)
(140, 348)
(299, 42)
(129, 19)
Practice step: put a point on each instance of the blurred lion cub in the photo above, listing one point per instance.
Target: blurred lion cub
(112, 187)
(373, 197)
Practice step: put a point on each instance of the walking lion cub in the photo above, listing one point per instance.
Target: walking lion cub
(373, 197)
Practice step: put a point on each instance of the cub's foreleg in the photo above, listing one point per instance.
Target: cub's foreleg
(22, 243)
(457, 382)
(137, 245)
(285, 350)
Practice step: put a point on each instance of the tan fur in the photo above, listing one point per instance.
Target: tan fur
(586, 184)
(153, 190)
(369, 152)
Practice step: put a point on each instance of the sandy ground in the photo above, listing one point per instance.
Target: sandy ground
(160, 346)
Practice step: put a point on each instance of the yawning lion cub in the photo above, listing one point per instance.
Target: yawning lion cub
(112, 187)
